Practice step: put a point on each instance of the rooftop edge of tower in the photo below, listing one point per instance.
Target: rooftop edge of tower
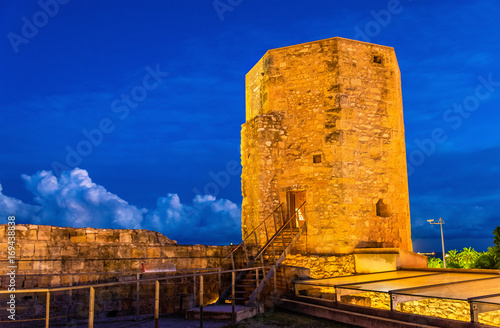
(336, 38)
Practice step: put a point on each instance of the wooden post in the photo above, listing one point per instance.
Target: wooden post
(137, 300)
(91, 307)
(233, 279)
(157, 303)
(201, 301)
(47, 311)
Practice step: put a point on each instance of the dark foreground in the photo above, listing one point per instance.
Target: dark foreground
(272, 319)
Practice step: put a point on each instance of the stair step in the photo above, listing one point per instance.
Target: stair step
(245, 286)
(236, 299)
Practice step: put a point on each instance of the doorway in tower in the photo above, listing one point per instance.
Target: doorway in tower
(295, 199)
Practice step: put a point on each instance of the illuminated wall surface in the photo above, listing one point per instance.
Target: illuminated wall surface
(325, 120)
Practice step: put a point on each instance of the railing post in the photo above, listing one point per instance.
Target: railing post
(194, 288)
(70, 295)
(220, 282)
(201, 301)
(274, 278)
(257, 288)
(47, 311)
(256, 240)
(232, 260)
(233, 278)
(91, 307)
(157, 303)
(71, 290)
(137, 299)
(246, 252)
(265, 228)
(274, 253)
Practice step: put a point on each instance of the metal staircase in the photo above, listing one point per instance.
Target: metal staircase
(250, 283)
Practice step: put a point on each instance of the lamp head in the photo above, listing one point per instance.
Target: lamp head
(430, 221)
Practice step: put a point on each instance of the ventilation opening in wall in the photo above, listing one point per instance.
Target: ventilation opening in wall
(382, 209)
(316, 158)
(377, 59)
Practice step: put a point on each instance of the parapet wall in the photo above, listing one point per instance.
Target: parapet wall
(46, 256)
(48, 250)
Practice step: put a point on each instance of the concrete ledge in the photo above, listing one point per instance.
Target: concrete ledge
(366, 316)
(370, 260)
(222, 312)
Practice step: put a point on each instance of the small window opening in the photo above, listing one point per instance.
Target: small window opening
(377, 59)
(382, 209)
(316, 158)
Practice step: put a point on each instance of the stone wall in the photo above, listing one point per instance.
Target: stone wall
(325, 118)
(47, 249)
(56, 252)
(323, 266)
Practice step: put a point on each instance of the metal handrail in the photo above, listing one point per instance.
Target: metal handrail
(58, 289)
(263, 249)
(101, 273)
(92, 287)
(253, 231)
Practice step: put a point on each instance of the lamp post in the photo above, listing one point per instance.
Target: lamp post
(440, 222)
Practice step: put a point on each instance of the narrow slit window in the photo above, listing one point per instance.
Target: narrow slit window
(316, 158)
(377, 59)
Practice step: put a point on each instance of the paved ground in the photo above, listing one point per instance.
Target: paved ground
(272, 319)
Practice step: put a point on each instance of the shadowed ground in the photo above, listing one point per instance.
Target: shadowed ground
(274, 319)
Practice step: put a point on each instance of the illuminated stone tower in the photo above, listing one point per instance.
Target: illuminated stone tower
(324, 124)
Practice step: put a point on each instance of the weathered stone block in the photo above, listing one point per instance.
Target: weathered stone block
(44, 232)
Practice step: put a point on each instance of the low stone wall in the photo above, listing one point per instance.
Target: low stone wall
(321, 266)
(45, 255)
(48, 249)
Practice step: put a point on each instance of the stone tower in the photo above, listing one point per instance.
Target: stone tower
(324, 124)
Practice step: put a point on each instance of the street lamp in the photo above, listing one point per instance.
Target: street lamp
(440, 222)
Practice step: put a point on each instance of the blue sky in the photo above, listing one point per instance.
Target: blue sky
(146, 98)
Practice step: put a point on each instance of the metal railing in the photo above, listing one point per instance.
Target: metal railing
(254, 234)
(287, 226)
(92, 292)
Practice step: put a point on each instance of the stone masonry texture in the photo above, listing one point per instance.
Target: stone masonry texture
(326, 118)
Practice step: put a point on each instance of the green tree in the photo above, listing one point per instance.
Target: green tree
(496, 238)
(434, 262)
(487, 260)
(452, 260)
(467, 257)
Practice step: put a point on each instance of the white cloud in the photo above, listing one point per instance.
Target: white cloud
(73, 200)
(11, 206)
